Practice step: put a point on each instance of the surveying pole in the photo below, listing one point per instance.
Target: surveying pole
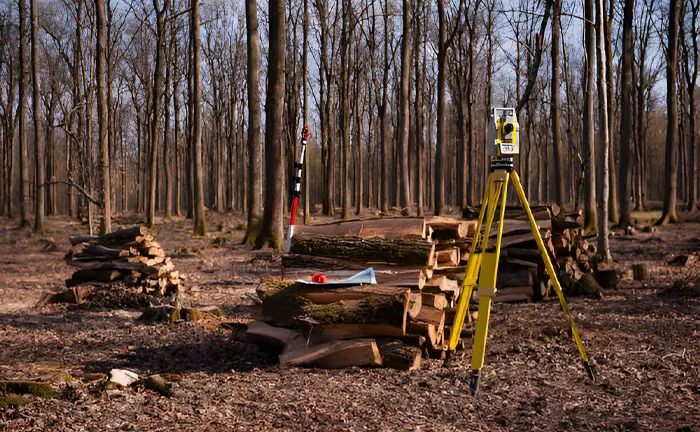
(298, 167)
(482, 266)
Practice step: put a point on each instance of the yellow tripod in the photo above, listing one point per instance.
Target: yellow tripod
(483, 265)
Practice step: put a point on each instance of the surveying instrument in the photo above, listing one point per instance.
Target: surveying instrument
(482, 266)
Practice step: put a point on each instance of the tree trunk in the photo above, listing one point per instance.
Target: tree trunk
(441, 147)
(554, 107)
(271, 234)
(419, 109)
(22, 108)
(200, 226)
(38, 141)
(626, 122)
(157, 106)
(602, 180)
(590, 217)
(102, 109)
(305, 78)
(255, 163)
(671, 180)
(613, 213)
(404, 106)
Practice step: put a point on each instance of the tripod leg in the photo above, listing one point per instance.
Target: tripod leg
(471, 273)
(487, 285)
(552, 274)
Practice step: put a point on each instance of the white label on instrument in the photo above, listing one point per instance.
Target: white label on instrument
(507, 148)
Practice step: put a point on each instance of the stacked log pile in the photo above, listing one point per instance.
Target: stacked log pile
(130, 256)
(418, 263)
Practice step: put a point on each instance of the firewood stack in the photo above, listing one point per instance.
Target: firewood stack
(418, 263)
(129, 256)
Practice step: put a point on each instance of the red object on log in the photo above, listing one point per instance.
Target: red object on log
(319, 278)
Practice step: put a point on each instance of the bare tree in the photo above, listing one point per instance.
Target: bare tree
(404, 107)
(38, 141)
(271, 234)
(23, 152)
(554, 107)
(200, 226)
(255, 163)
(626, 121)
(669, 211)
(590, 216)
(603, 166)
(102, 109)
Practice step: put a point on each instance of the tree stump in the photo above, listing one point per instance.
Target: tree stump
(640, 272)
(607, 278)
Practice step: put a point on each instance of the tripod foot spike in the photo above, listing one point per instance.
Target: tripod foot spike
(449, 359)
(474, 383)
(590, 369)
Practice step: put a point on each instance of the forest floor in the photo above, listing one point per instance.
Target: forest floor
(644, 338)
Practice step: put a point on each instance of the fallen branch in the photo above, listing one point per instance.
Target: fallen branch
(80, 189)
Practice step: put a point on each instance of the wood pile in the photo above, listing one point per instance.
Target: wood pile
(130, 256)
(418, 263)
(572, 251)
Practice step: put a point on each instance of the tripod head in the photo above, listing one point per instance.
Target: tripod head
(504, 132)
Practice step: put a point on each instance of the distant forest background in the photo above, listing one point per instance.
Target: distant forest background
(166, 107)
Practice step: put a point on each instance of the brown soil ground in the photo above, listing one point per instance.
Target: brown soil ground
(644, 337)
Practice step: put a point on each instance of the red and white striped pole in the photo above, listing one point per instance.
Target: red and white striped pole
(298, 166)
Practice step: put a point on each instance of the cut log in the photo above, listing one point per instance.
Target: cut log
(383, 228)
(88, 275)
(441, 284)
(415, 304)
(513, 298)
(640, 272)
(448, 228)
(289, 306)
(335, 354)
(321, 263)
(280, 338)
(437, 301)
(513, 277)
(399, 355)
(512, 212)
(429, 331)
(76, 240)
(124, 233)
(328, 332)
(447, 258)
(76, 295)
(431, 315)
(404, 252)
(527, 290)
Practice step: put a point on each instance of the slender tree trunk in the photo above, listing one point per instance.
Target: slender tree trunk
(613, 213)
(406, 201)
(22, 108)
(157, 107)
(39, 214)
(255, 163)
(343, 90)
(671, 180)
(419, 108)
(626, 122)
(604, 133)
(271, 234)
(590, 216)
(441, 147)
(554, 107)
(200, 226)
(305, 78)
(102, 110)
